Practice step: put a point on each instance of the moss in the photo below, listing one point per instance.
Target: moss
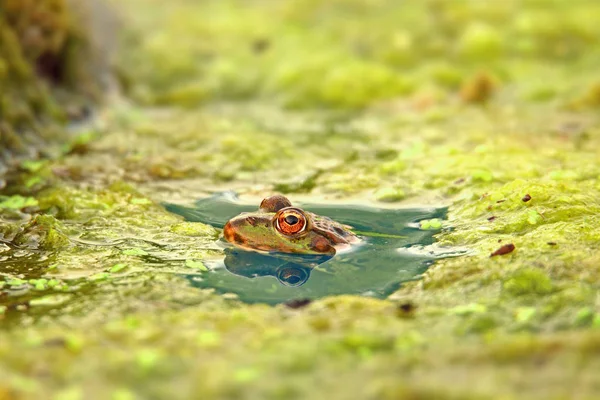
(481, 41)
(390, 194)
(528, 281)
(314, 52)
(48, 72)
(347, 85)
(18, 202)
(42, 231)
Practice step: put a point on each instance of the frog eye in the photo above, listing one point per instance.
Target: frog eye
(290, 221)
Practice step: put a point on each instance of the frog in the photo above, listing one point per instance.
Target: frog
(279, 227)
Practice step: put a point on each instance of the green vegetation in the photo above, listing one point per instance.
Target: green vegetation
(488, 107)
(49, 71)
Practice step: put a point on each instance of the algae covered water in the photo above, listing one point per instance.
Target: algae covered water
(392, 252)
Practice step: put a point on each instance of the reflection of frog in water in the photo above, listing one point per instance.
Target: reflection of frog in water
(290, 270)
(279, 227)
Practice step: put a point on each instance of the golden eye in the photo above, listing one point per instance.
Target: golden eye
(290, 221)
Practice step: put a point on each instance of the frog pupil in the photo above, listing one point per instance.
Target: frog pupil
(291, 220)
(293, 279)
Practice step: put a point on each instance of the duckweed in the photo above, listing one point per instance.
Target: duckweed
(432, 224)
(135, 252)
(117, 268)
(196, 265)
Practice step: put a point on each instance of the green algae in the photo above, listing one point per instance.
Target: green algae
(390, 194)
(528, 281)
(524, 325)
(18, 202)
(331, 58)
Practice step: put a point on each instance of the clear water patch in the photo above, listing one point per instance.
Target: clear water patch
(394, 249)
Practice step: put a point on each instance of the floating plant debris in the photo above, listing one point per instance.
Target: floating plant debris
(507, 248)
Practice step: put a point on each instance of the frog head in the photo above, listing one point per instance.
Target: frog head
(279, 227)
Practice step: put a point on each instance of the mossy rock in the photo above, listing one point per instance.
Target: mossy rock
(49, 71)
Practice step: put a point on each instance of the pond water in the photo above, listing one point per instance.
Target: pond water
(394, 250)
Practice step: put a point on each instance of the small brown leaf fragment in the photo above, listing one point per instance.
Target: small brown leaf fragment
(491, 218)
(55, 342)
(507, 248)
(406, 310)
(479, 88)
(19, 306)
(298, 303)
(526, 198)
(260, 45)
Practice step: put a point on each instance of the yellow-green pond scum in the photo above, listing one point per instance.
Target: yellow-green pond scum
(490, 108)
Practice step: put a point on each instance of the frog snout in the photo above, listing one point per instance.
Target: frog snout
(229, 232)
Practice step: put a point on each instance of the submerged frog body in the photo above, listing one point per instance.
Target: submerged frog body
(279, 227)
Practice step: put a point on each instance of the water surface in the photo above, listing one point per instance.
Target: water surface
(391, 253)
